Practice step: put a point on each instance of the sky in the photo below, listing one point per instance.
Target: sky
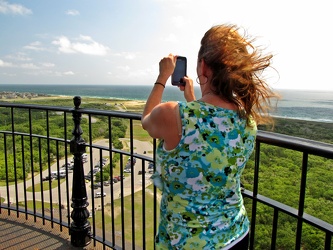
(121, 42)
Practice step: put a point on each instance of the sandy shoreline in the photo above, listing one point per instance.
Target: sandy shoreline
(32, 98)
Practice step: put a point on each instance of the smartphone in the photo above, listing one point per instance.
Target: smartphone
(179, 72)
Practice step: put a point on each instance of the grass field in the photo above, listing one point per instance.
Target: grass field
(46, 186)
(140, 225)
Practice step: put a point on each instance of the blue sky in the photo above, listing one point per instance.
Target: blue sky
(122, 41)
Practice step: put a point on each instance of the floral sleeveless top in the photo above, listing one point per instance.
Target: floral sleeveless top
(202, 206)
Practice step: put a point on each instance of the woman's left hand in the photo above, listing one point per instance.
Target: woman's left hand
(167, 66)
(188, 89)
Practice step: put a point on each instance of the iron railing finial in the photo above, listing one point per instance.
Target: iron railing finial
(80, 228)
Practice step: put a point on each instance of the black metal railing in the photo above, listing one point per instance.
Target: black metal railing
(39, 142)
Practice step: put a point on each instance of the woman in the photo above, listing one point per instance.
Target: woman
(206, 143)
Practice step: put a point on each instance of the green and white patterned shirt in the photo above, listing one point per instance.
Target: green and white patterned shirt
(202, 206)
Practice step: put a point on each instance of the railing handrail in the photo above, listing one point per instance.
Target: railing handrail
(130, 115)
(296, 143)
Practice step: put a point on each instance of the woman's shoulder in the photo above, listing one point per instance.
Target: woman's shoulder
(167, 105)
(205, 108)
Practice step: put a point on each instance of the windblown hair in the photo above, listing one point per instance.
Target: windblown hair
(237, 68)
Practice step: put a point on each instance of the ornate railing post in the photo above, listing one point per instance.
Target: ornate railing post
(80, 228)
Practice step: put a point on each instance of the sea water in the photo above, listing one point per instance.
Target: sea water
(296, 104)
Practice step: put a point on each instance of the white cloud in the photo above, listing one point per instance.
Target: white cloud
(31, 66)
(69, 73)
(72, 12)
(127, 73)
(48, 65)
(84, 45)
(34, 46)
(4, 64)
(127, 55)
(170, 38)
(19, 57)
(28, 66)
(124, 68)
(8, 74)
(16, 9)
(180, 21)
(130, 56)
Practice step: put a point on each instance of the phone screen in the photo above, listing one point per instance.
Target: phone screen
(179, 72)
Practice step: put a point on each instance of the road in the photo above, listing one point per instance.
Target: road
(139, 146)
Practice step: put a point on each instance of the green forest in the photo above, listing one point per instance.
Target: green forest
(279, 171)
(279, 179)
(45, 151)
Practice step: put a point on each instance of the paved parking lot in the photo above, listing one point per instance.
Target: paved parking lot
(140, 148)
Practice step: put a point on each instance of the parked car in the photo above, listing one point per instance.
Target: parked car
(128, 165)
(106, 183)
(130, 160)
(151, 165)
(62, 175)
(150, 171)
(127, 170)
(95, 170)
(99, 194)
(119, 178)
(97, 185)
(66, 165)
(46, 178)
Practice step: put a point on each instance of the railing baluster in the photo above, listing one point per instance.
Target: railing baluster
(49, 164)
(132, 183)
(32, 166)
(24, 179)
(40, 178)
(122, 203)
(143, 204)
(255, 192)
(102, 192)
(15, 167)
(7, 181)
(328, 240)
(66, 161)
(59, 193)
(274, 230)
(80, 227)
(113, 236)
(156, 211)
(93, 208)
(301, 201)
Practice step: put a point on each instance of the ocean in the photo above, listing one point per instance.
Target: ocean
(295, 104)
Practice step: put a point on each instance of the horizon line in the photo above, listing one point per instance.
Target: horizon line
(119, 84)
